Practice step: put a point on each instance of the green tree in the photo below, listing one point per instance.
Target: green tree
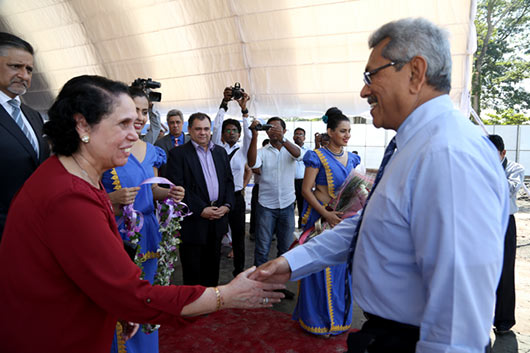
(501, 60)
(507, 117)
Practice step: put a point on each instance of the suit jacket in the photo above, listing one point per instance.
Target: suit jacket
(167, 145)
(184, 168)
(17, 157)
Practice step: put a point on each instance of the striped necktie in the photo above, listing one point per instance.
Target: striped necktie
(389, 151)
(17, 117)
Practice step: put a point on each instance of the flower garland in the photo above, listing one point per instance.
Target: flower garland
(169, 214)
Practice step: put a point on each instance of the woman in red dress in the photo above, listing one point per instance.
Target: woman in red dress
(65, 278)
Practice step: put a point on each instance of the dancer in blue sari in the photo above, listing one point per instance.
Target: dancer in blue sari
(121, 183)
(321, 307)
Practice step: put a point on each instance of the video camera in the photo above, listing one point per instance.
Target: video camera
(147, 85)
(261, 127)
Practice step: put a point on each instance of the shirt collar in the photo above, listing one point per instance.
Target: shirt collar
(211, 145)
(420, 117)
(227, 146)
(4, 98)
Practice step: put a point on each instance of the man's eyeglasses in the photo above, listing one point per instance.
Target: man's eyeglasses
(368, 74)
(227, 131)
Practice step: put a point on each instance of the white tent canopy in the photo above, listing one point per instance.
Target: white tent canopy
(295, 57)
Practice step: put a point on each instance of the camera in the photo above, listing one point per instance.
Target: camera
(261, 127)
(237, 91)
(147, 86)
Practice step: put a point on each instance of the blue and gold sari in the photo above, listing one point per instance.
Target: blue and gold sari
(130, 175)
(321, 306)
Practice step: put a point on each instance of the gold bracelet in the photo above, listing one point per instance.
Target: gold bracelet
(218, 298)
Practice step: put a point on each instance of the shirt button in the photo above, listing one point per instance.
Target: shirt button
(148, 300)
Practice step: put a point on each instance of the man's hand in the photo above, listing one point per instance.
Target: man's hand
(274, 271)
(252, 127)
(275, 133)
(318, 140)
(227, 94)
(221, 211)
(209, 212)
(243, 101)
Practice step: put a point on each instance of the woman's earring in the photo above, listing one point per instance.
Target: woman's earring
(85, 138)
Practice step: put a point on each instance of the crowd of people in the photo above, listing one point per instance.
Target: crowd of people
(420, 248)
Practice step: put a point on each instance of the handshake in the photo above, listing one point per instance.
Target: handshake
(257, 287)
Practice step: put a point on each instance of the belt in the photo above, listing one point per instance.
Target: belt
(382, 335)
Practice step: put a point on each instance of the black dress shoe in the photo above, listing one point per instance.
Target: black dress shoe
(288, 294)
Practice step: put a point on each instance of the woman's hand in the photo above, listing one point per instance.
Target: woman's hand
(124, 196)
(176, 193)
(244, 293)
(332, 217)
(129, 329)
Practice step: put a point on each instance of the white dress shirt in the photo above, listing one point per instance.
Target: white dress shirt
(515, 175)
(276, 186)
(300, 166)
(4, 98)
(430, 248)
(239, 159)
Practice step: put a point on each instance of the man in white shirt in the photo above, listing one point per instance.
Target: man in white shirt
(505, 303)
(299, 139)
(426, 253)
(276, 191)
(226, 133)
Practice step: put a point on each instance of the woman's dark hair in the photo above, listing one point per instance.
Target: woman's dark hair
(135, 91)
(335, 116)
(91, 96)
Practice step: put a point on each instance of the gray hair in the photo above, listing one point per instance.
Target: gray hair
(175, 112)
(412, 37)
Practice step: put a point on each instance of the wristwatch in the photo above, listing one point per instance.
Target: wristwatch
(284, 140)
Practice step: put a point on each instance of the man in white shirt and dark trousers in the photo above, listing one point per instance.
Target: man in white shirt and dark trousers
(276, 189)
(505, 303)
(426, 252)
(299, 139)
(226, 133)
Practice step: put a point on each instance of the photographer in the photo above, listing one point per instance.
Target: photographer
(276, 191)
(226, 133)
(155, 125)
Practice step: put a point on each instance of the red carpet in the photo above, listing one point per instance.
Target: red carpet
(262, 330)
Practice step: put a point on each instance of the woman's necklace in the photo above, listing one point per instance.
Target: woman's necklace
(85, 173)
(340, 154)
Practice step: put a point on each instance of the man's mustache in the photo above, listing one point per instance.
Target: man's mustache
(24, 83)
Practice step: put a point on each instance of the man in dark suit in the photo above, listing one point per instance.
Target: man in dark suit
(176, 137)
(22, 147)
(203, 169)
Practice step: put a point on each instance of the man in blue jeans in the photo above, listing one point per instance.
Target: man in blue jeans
(276, 192)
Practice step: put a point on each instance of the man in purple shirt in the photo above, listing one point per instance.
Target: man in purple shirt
(203, 169)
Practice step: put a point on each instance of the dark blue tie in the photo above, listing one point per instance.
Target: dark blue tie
(388, 153)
